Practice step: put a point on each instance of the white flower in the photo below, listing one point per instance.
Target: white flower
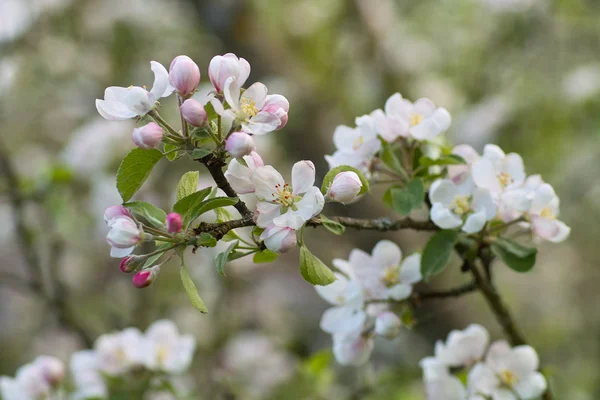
(446, 387)
(240, 176)
(355, 146)
(497, 171)
(122, 103)
(123, 235)
(544, 212)
(227, 66)
(421, 120)
(117, 353)
(279, 239)
(463, 348)
(508, 373)
(166, 350)
(352, 348)
(388, 325)
(87, 378)
(344, 187)
(285, 205)
(460, 205)
(257, 112)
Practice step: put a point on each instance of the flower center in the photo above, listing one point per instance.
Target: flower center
(415, 119)
(249, 107)
(461, 205)
(505, 179)
(391, 276)
(547, 213)
(508, 378)
(283, 195)
(357, 143)
(161, 354)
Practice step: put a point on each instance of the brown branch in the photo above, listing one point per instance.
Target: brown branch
(444, 294)
(379, 224)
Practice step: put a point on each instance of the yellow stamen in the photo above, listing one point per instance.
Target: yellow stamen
(461, 205)
(391, 276)
(249, 107)
(508, 378)
(357, 143)
(547, 213)
(415, 119)
(505, 179)
(283, 195)
(161, 354)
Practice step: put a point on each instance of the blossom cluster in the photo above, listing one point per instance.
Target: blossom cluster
(40, 379)
(366, 286)
(497, 372)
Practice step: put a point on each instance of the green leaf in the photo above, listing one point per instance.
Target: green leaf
(188, 184)
(183, 205)
(450, 159)
(154, 215)
(223, 215)
(343, 168)
(406, 199)
(223, 257)
(332, 226)
(408, 318)
(437, 252)
(210, 112)
(313, 270)
(206, 240)
(199, 153)
(134, 170)
(518, 257)
(191, 290)
(170, 147)
(200, 208)
(152, 259)
(390, 159)
(264, 256)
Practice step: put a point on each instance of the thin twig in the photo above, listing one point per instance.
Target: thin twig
(379, 224)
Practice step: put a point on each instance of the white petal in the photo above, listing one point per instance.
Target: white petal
(334, 293)
(303, 176)
(261, 123)
(120, 253)
(352, 349)
(443, 191)
(493, 153)
(256, 93)
(484, 175)
(161, 87)
(386, 254)
(523, 360)
(267, 181)
(497, 354)
(474, 222)
(244, 71)
(531, 386)
(410, 269)
(344, 137)
(266, 213)
(443, 217)
(483, 201)
(231, 90)
(513, 166)
(482, 379)
(342, 320)
(114, 110)
(400, 291)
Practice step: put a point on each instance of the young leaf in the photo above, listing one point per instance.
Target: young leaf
(134, 170)
(152, 259)
(264, 256)
(518, 257)
(390, 159)
(223, 257)
(199, 153)
(191, 290)
(188, 184)
(183, 205)
(154, 215)
(437, 252)
(313, 270)
(170, 147)
(206, 240)
(450, 159)
(200, 208)
(343, 168)
(406, 199)
(334, 227)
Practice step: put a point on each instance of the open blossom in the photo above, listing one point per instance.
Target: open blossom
(184, 75)
(507, 373)
(355, 146)
(388, 325)
(165, 349)
(352, 348)
(87, 378)
(461, 205)
(257, 112)
(120, 352)
(344, 187)
(33, 381)
(123, 235)
(544, 211)
(227, 66)
(284, 205)
(239, 176)
(463, 348)
(122, 103)
(498, 172)
(279, 239)
(421, 120)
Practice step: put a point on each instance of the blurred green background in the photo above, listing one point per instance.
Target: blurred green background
(524, 74)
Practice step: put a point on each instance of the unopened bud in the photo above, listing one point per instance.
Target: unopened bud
(344, 188)
(145, 277)
(124, 233)
(184, 75)
(147, 136)
(279, 239)
(174, 223)
(388, 325)
(130, 263)
(239, 144)
(226, 66)
(278, 105)
(112, 213)
(193, 112)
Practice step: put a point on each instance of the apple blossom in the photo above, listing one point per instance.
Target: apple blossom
(352, 348)
(543, 214)
(122, 103)
(227, 66)
(35, 380)
(463, 348)
(164, 349)
(112, 213)
(174, 222)
(344, 187)
(497, 171)
(239, 144)
(388, 325)
(184, 75)
(257, 112)
(148, 136)
(87, 377)
(284, 205)
(123, 235)
(279, 239)
(120, 352)
(239, 176)
(508, 373)
(193, 112)
(145, 277)
(446, 387)
(461, 205)
(53, 369)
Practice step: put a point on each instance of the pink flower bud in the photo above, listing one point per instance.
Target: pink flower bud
(226, 66)
(239, 144)
(193, 112)
(129, 264)
(278, 105)
(388, 325)
(147, 136)
(124, 233)
(174, 223)
(279, 239)
(344, 188)
(145, 277)
(114, 212)
(184, 75)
